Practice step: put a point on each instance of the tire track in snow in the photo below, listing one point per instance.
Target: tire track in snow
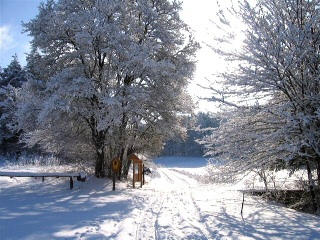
(169, 210)
(146, 229)
(195, 184)
(179, 215)
(167, 178)
(153, 199)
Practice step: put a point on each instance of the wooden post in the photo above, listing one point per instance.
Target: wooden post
(142, 174)
(71, 183)
(133, 182)
(242, 203)
(114, 182)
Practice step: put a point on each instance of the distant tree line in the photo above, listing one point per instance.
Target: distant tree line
(198, 126)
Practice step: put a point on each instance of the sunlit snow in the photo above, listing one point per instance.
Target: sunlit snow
(171, 205)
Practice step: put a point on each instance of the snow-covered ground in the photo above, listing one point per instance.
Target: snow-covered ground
(172, 205)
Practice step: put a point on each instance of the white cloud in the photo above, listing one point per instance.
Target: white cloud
(6, 38)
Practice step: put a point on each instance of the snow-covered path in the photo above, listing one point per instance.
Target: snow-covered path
(169, 210)
(170, 206)
(176, 206)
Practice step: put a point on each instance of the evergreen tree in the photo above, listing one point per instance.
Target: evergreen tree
(11, 80)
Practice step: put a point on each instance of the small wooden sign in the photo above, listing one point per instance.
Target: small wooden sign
(115, 165)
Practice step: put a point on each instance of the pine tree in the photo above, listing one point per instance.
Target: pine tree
(11, 80)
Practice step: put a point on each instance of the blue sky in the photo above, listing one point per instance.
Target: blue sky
(12, 13)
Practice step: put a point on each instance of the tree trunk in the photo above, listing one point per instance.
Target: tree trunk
(122, 162)
(98, 139)
(263, 177)
(126, 163)
(311, 187)
(318, 186)
(100, 165)
(318, 172)
(126, 168)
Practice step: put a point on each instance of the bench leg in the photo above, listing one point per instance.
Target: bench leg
(71, 183)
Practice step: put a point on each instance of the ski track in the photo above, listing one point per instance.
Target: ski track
(170, 212)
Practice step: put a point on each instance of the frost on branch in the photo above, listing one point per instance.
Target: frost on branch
(278, 68)
(114, 72)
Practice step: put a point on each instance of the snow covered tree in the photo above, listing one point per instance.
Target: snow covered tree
(11, 80)
(114, 71)
(14, 74)
(278, 80)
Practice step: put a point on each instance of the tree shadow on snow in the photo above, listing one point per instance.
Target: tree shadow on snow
(269, 223)
(52, 211)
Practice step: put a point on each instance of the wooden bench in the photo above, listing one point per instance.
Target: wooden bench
(80, 176)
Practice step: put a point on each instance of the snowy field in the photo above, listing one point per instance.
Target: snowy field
(172, 205)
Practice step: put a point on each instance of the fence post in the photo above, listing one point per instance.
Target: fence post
(71, 183)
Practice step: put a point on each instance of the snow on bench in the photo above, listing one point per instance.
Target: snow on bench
(81, 176)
